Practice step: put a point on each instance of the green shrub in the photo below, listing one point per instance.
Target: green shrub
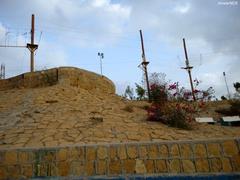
(234, 109)
(129, 93)
(140, 92)
(145, 107)
(177, 118)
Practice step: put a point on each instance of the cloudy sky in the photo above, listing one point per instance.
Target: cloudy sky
(72, 32)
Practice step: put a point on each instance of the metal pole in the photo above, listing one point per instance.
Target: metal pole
(224, 75)
(101, 55)
(144, 64)
(101, 64)
(188, 68)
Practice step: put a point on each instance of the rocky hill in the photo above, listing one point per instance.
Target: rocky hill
(66, 106)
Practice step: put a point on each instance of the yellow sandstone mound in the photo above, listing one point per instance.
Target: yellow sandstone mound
(67, 106)
(64, 76)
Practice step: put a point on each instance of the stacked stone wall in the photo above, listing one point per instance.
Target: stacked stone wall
(65, 76)
(122, 160)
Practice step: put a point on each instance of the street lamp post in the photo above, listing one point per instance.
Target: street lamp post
(101, 56)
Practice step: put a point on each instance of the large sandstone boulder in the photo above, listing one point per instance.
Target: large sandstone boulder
(66, 76)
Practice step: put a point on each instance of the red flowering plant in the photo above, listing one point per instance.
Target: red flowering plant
(177, 93)
(162, 110)
(172, 104)
(159, 94)
(179, 116)
(187, 109)
(203, 95)
(158, 98)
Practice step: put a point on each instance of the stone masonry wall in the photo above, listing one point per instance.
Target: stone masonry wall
(64, 75)
(129, 159)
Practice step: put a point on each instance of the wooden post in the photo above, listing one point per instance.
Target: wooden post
(144, 64)
(224, 75)
(32, 42)
(32, 47)
(188, 68)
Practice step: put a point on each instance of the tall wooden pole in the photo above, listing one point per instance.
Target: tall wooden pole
(224, 75)
(144, 64)
(32, 42)
(188, 68)
(32, 47)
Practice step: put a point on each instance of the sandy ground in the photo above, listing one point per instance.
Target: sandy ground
(64, 115)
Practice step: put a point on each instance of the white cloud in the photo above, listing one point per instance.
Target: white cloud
(207, 27)
(93, 21)
(50, 57)
(100, 3)
(68, 23)
(184, 8)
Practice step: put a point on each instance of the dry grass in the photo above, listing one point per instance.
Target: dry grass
(128, 108)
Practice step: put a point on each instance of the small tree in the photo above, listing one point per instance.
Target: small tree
(157, 79)
(237, 86)
(140, 92)
(223, 98)
(159, 94)
(129, 93)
